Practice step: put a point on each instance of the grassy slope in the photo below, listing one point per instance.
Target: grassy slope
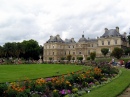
(113, 88)
(21, 72)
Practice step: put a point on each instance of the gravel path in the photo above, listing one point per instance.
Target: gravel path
(126, 93)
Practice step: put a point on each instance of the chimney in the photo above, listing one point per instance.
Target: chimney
(72, 39)
(117, 29)
(51, 37)
(58, 35)
(125, 34)
(106, 29)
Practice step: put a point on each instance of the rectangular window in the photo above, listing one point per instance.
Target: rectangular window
(108, 42)
(115, 41)
(102, 42)
(88, 52)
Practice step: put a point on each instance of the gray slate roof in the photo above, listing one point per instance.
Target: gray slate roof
(55, 39)
(92, 40)
(83, 39)
(111, 32)
(69, 41)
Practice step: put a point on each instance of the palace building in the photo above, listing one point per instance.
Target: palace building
(56, 48)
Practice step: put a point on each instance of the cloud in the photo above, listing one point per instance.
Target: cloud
(38, 19)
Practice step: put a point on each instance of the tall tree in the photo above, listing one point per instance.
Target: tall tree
(1, 52)
(32, 49)
(117, 52)
(128, 38)
(9, 49)
(104, 51)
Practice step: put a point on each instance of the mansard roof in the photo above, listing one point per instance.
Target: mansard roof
(91, 40)
(70, 41)
(111, 32)
(55, 39)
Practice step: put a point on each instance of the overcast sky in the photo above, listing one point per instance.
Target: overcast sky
(39, 19)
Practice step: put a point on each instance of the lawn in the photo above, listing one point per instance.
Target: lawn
(9, 73)
(113, 88)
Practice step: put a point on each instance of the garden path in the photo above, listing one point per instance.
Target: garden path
(126, 93)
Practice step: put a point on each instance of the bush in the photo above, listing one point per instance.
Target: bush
(3, 88)
(88, 58)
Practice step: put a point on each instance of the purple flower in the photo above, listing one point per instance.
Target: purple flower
(69, 91)
(63, 92)
(48, 79)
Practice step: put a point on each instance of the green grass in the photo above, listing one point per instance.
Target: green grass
(114, 88)
(9, 73)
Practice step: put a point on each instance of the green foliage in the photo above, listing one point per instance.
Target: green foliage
(127, 51)
(92, 55)
(80, 59)
(50, 58)
(40, 88)
(55, 93)
(88, 58)
(117, 52)
(69, 57)
(26, 49)
(62, 58)
(3, 88)
(104, 51)
(129, 38)
(114, 88)
(29, 47)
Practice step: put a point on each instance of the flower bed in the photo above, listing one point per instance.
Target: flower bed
(61, 85)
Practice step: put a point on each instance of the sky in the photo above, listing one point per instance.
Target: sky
(39, 19)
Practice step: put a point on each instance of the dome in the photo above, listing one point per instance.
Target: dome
(83, 39)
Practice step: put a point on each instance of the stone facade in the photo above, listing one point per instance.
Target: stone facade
(56, 48)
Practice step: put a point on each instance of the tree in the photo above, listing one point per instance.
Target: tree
(117, 52)
(104, 51)
(80, 59)
(32, 49)
(50, 58)
(9, 49)
(62, 58)
(127, 51)
(69, 57)
(92, 55)
(1, 52)
(128, 38)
